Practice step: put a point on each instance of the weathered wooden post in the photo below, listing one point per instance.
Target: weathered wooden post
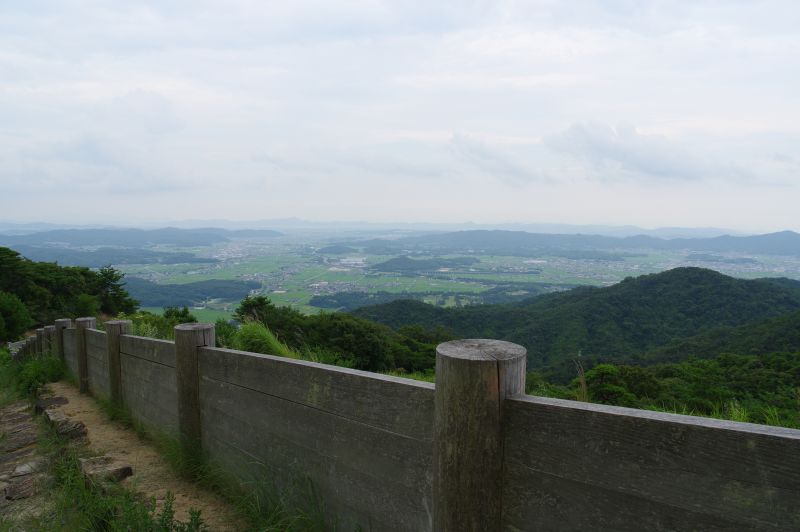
(188, 337)
(114, 330)
(61, 324)
(49, 338)
(39, 341)
(81, 324)
(44, 340)
(473, 378)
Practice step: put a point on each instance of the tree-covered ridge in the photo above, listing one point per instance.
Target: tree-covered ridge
(779, 334)
(96, 258)
(48, 291)
(352, 341)
(337, 249)
(762, 388)
(150, 294)
(503, 292)
(624, 320)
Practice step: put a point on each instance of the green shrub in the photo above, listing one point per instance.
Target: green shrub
(353, 342)
(326, 356)
(224, 332)
(178, 315)
(8, 378)
(34, 373)
(14, 317)
(256, 338)
(85, 305)
(158, 326)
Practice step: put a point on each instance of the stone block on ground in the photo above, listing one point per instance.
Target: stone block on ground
(18, 437)
(22, 487)
(31, 466)
(45, 403)
(104, 468)
(64, 425)
(15, 412)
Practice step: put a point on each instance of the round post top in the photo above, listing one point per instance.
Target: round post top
(49, 327)
(118, 322)
(481, 349)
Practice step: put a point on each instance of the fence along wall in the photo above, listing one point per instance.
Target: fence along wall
(363, 439)
(366, 442)
(147, 370)
(97, 363)
(70, 355)
(581, 466)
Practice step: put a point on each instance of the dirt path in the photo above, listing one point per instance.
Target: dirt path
(152, 476)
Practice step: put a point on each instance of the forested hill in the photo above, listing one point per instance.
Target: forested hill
(36, 293)
(150, 294)
(618, 322)
(780, 334)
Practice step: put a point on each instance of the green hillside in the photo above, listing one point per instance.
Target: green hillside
(36, 293)
(762, 388)
(150, 294)
(780, 334)
(618, 322)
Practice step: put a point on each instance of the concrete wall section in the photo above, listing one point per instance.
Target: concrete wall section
(69, 352)
(363, 439)
(97, 358)
(158, 351)
(148, 381)
(580, 466)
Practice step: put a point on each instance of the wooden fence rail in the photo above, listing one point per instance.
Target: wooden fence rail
(472, 452)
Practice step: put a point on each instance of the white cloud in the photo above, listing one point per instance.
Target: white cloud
(321, 109)
(623, 152)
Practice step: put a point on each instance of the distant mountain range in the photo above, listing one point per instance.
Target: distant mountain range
(628, 321)
(133, 237)
(103, 256)
(521, 243)
(291, 224)
(417, 227)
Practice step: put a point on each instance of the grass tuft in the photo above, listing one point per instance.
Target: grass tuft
(255, 337)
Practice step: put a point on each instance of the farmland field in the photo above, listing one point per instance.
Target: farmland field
(306, 272)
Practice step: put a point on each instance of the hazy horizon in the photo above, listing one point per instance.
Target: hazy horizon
(349, 225)
(298, 222)
(607, 113)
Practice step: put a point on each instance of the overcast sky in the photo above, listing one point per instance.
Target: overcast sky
(673, 113)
